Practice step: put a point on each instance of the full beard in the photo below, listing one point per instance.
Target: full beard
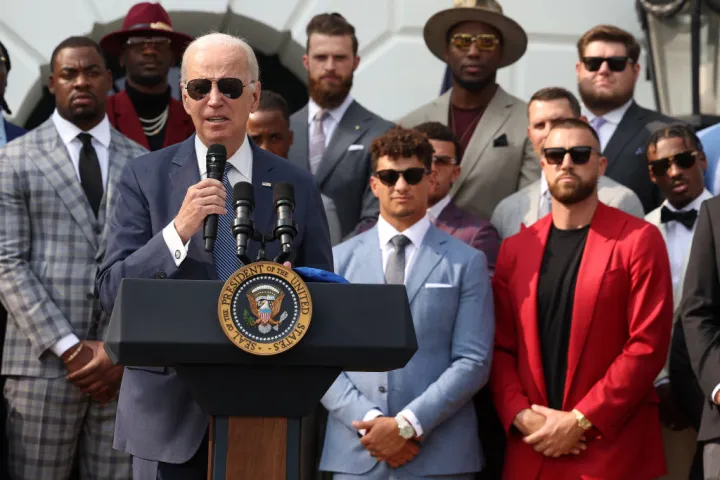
(149, 80)
(570, 195)
(329, 97)
(603, 102)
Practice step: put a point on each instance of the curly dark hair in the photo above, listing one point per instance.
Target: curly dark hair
(401, 142)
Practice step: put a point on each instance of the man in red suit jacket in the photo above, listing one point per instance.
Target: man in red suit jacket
(147, 47)
(583, 307)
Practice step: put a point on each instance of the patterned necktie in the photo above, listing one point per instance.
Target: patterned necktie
(687, 218)
(90, 174)
(597, 124)
(224, 252)
(395, 271)
(317, 142)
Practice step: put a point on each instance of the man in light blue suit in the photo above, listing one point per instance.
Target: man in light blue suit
(710, 138)
(418, 421)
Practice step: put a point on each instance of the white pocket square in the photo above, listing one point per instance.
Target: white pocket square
(355, 147)
(438, 285)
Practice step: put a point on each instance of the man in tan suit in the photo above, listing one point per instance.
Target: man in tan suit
(475, 39)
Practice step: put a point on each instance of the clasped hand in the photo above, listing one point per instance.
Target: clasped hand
(93, 372)
(382, 439)
(551, 432)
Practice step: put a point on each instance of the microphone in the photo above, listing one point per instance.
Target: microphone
(285, 228)
(215, 162)
(243, 228)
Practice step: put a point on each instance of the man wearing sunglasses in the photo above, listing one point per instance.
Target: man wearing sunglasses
(164, 199)
(475, 39)
(677, 164)
(418, 421)
(583, 302)
(533, 202)
(147, 47)
(607, 70)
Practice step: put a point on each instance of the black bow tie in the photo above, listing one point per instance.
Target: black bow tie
(687, 218)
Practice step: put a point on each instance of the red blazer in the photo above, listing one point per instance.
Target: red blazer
(123, 117)
(619, 338)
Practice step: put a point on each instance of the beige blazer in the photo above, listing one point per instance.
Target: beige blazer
(490, 170)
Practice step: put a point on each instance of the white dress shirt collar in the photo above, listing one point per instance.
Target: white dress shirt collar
(415, 233)
(241, 159)
(694, 205)
(614, 117)
(336, 113)
(69, 131)
(437, 209)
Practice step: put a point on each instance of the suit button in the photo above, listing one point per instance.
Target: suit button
(382, 389)
(160, 275)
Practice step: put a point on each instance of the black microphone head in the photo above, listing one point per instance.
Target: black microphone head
(284, 191)
(217, 150)
(243, 191)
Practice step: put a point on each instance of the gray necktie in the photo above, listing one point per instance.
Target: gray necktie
(317, 141)
(395, 271)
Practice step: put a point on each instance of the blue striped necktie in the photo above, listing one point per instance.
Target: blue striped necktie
(224, 252)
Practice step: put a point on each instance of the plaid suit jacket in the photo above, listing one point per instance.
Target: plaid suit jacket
(51, 246)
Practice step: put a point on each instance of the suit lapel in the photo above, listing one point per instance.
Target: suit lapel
(599, 246)
(631, 123)
(184, 173)
(264, 177)
(116, 162)
(128, 121)
(353, 124)
(494, 117)
(299, 153)
(448, 220)
(531, 213)
(429, 254)
(370, 256)
(53, 161)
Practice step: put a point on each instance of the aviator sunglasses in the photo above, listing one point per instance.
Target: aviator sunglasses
(232, 88)
(615, 64)
(579, 155)
(483, 41)
(412, 176)
(683, 160)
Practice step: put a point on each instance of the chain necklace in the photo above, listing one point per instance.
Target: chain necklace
(153, 126)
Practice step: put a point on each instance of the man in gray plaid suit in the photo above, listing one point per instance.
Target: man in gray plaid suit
(57, 187)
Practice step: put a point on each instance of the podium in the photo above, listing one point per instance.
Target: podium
(255, 402)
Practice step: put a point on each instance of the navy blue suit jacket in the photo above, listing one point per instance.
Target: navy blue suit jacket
(13, 131)
(157, 419)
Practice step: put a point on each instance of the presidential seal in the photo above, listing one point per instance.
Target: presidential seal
(265, 308)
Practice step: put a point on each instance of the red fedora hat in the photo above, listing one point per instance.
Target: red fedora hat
(145, 19)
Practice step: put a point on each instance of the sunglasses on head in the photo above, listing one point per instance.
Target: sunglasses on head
(615, 64)
(443, 160)
(483, 41)
(683, 160)
(579, 155)
(232, 88)
(412, 176)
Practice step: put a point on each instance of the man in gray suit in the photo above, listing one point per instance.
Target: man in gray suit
(475, 39)
(528, 205)
(57, 188)
(418, 421)
(333, 132)
(607, 70)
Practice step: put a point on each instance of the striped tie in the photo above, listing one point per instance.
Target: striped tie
(226, 261)
(317, 141)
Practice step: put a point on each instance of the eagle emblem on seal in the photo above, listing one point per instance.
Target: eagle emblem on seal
(265, 302)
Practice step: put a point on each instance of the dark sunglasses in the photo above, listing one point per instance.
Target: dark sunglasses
(483, 41)
(232, 88)
(579, 155)
(616, 64)
(444, 160)
(683, 160)
(412, 176)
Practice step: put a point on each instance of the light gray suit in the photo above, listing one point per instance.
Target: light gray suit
(499, 159)
(344, 172)
(454, 327)
(51, 245)
(522, 207)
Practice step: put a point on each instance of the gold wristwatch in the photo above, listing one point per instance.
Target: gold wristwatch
(582, 420)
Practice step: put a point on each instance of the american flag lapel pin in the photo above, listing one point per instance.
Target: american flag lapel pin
(266, 184)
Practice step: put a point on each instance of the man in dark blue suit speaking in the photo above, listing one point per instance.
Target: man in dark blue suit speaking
(156, 232)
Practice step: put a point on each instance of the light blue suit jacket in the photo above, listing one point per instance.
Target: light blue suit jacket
(710, 138)
(454, 327)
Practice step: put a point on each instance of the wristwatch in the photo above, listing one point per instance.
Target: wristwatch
(405, 429)
(582, 420)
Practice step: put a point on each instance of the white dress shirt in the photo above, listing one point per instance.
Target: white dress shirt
(241, 171)
(68, 133)
(437, 209)
(331, 120)
(612, 120)
(415, 234)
